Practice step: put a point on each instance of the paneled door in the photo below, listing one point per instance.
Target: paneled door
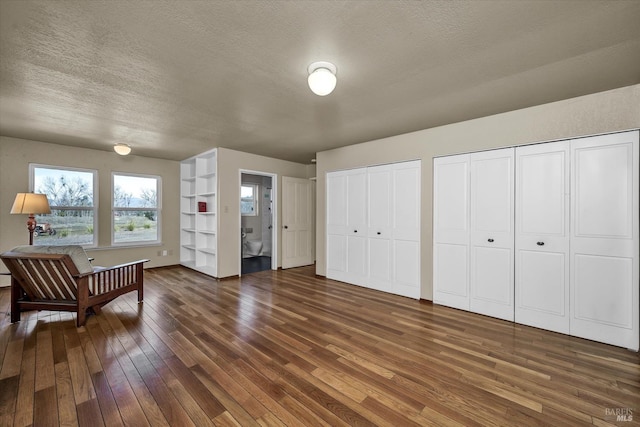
(406, 228)
(337, 225)
(604, 239)
(491, 233)
(542, 236)
(451, 231)
(379, 231)
(357, 266)
(296, 222)
(347, 226)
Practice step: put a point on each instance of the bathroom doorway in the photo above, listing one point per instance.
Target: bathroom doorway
(257, 205)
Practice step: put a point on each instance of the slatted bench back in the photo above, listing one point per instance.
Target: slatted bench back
(44, 276)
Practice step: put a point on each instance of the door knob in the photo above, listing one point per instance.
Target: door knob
(286, 226)
(540, 243)
(490, 240)
(355, 231)
(378, 233)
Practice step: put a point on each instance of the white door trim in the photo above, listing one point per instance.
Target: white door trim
(274, 215)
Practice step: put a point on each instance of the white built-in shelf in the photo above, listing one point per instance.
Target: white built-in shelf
(198, 184)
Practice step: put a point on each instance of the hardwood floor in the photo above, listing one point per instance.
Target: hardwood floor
(288, 348)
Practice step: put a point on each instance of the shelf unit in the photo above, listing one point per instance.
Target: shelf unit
(198, 213)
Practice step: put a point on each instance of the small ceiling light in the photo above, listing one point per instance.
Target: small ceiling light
(122, 149)
(322, 78)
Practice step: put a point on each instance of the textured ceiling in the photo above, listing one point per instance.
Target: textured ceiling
(175, 78)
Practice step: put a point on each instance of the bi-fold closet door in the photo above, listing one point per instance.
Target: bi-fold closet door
(542, 236)
(474, 233)
(373, 227)
(347, 225)
(604, 239)
(576, 254)
(577, 238)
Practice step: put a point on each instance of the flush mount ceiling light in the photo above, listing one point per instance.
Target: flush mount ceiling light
(322, 78)
(122, 149)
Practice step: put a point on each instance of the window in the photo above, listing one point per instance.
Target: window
(248, 205)
(72, 196)
(136, 209)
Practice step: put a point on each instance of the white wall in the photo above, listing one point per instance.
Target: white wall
(604, 112)
(15, 156)
(230, 162)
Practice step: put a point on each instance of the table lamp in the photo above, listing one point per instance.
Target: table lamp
(31, 203)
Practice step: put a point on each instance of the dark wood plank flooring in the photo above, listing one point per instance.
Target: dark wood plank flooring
(288, 348)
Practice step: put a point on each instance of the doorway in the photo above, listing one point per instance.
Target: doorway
(257, 206)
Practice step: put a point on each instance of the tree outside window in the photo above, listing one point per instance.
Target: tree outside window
(71, 195)
(136, 208)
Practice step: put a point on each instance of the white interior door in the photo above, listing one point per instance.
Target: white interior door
(347, 226)
(336, 225)
(604, 239)
(542, 236)
(491, 233)
(406, 229)
(451, 231)
(296, 222)
(380, 199)
(357, 265)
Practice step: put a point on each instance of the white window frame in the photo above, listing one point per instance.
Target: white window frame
(157, 209)
(94, 207)
(256, 188)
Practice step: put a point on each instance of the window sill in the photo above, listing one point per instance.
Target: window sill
(124, 246)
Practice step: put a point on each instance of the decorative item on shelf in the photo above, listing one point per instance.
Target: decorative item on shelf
(202, 206)
(31, 203)
(322, 77)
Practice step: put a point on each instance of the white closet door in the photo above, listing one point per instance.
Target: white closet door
(337, 225)
(380, 199)
(406, 229)
(604, 233)
(542, 236)
(347, 226)
(451, 231)
(357, 265)
(491, 233)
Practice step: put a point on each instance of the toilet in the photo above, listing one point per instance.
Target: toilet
(253, 247)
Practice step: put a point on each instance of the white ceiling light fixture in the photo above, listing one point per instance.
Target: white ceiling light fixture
(122, 149)
(322, 78)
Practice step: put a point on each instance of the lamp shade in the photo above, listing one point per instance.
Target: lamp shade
(122, 149)
(322, 78)
(30, 203)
